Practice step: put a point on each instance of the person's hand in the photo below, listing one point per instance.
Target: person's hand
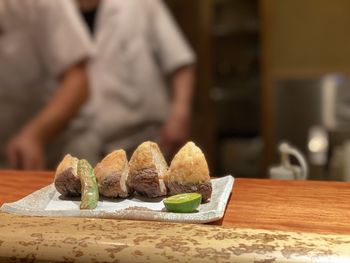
(174, 134)
(25, 151)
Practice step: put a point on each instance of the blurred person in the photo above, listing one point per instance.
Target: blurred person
(141, 74)
(43, 83)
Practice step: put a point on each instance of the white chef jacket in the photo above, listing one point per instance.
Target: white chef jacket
(39, 39)
(137, 44)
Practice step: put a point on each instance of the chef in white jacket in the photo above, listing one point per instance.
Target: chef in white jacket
(141, 74)
(43, 83)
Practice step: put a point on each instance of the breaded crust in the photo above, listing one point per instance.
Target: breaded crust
(113, 163)
(142, 157)
(189, 166)
(68, 162)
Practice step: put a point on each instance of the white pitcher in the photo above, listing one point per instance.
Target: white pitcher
(287, 171)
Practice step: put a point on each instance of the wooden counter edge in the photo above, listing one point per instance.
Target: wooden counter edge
(47, 239)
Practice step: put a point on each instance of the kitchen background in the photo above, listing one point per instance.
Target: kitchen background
(270, 71)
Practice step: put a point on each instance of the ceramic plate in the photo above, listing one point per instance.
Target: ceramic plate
(48, 202)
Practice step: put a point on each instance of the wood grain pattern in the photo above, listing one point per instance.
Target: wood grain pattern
(49, 239)
(311, 206)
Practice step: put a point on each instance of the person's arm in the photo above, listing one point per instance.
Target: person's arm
(26, 149)
(176, 129)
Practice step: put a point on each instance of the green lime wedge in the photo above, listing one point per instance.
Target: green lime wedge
(183, 203)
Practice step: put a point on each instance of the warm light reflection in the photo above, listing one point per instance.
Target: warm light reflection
(317, 144)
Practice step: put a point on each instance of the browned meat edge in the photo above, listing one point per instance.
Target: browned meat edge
(67, 184)
(146, 182)
(204, 189)
(110, 186)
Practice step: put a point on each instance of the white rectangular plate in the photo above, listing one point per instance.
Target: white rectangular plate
(47, 202)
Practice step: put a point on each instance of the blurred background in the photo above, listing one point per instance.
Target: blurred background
(271, 71)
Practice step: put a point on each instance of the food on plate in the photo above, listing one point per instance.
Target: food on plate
(183, 203)
(187, 180)
(89, 189)
(188, 173)
(147, 169)
(67, 181)
(112, 173)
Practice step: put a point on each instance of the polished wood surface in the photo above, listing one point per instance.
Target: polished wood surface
(310, 206)
(16, 185)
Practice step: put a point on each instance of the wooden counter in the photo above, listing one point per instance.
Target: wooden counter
(311, 206)
(265, 221)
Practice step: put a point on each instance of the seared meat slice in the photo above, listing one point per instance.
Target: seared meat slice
(67, 181)
(112, 174)
(188, 172)
(147, 168)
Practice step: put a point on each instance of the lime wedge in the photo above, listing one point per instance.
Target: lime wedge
(183, 203)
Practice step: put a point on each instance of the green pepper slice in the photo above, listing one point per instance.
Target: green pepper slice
(89, 188)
